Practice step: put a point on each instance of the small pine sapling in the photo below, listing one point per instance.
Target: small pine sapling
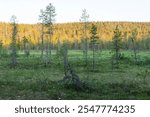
(26, 46)
(144, 74)
(133, 39)
(117, 45)
(94, 38)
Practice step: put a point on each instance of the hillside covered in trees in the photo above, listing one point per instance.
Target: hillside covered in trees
(72, 32)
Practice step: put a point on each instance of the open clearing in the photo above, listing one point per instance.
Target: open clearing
(31, 80)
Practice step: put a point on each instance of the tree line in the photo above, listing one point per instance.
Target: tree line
(73, 33)
(49, 35)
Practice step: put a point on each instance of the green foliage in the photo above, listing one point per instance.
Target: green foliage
(144, 74)
(117, 39)
(69, 31)
(134, 39)
(26, 46)
(117, 45)
(3, 51)
(48, 17)
(64, 48)
(1, 48)
(64, 54)
(94, 38)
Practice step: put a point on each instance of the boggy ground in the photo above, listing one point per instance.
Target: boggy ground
(32, 80)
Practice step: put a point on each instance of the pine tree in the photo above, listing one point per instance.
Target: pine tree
(26, 46)
(94, 38)
(1, 48)
(125, 40)
(13, 43)
(42, 17)
(84, 19)
(48, 17)
(117, 38)
(64, 54)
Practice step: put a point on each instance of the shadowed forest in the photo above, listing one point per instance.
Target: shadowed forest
(81, 60)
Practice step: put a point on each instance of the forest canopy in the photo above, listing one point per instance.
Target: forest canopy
(73, 32)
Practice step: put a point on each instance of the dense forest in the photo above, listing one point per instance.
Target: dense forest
(72, 32)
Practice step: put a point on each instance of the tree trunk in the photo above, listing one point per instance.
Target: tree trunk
(42, 41)
(93, 61)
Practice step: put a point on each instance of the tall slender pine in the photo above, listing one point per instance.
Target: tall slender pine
(13, 43)
(94, 38)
